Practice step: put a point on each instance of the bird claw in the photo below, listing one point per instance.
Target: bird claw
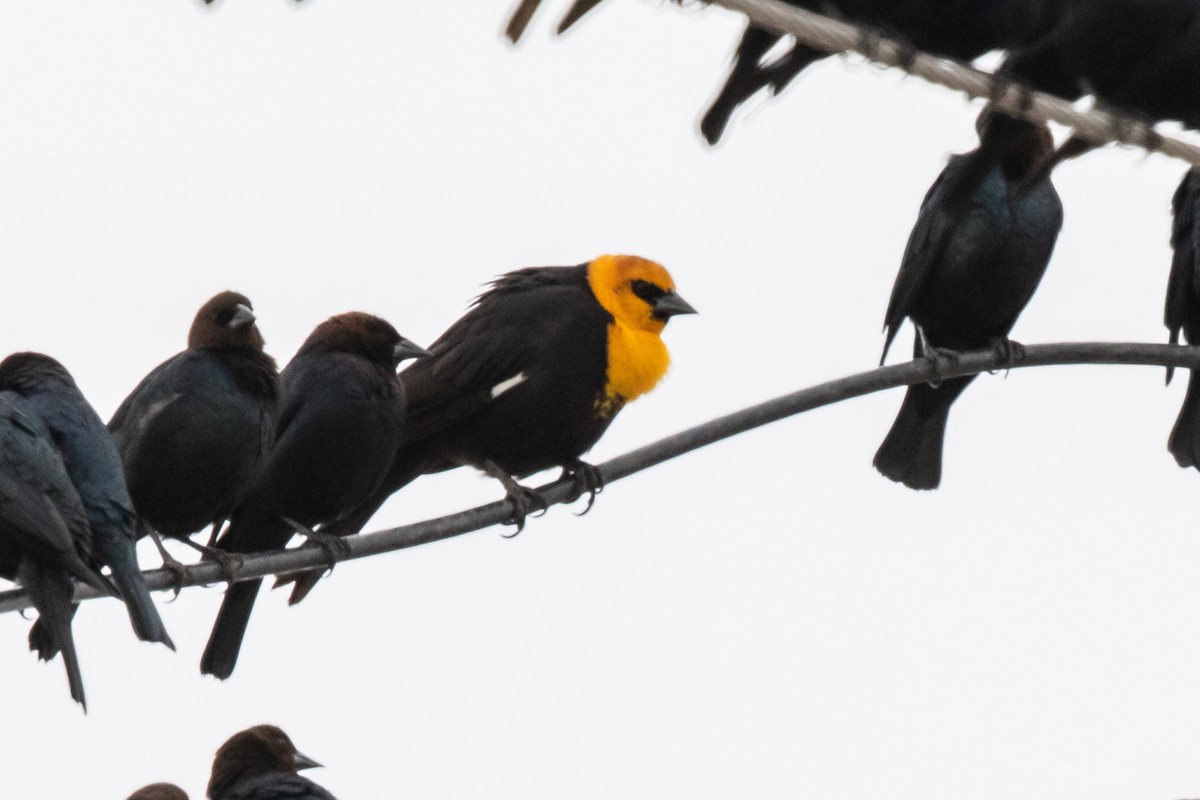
(332, 546)
(940, 359)
(179, 570)
(523, 500)
(588, 479)
(1008, 351)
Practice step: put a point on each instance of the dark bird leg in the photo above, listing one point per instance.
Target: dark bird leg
(1009, 351)
(523, 498)
(588, 479)
(230, 562)
(940, 359)
(170, 562)
(334, 547)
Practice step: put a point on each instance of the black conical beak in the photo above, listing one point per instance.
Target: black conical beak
(304, 762)
(405, 349)
(671, 304)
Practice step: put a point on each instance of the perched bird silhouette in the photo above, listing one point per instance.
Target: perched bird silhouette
(45, 539)
(340, 423)
(968, 299)
(195, 430)
(1183, 312)
(159, 791)
(261, 763)
(45, 392)
(533, 374)
(962, 29)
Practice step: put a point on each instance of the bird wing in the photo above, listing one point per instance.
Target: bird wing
(496, 345)
(916, 265)
(39, 508)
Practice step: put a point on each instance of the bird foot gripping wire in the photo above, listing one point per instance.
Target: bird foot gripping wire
(333, 547)
(940, 359)
(523, 499)
(1008, 351)
(588, 480)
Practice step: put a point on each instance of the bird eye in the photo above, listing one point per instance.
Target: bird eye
(647, 291)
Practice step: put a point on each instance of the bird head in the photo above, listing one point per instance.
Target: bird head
(226, 322)
(366, 335)
(637, 292)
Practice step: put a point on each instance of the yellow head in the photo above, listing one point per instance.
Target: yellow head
(640, 296)
(638, 292)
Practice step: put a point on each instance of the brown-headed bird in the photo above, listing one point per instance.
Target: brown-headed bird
(1183, 312)
(261, 763)
(340, 423)
(532, 375)
(971, 297)
(159, 791)
(43, 390)
(195, 430)
(45, 539)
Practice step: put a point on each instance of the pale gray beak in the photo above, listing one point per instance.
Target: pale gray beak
(242, 317)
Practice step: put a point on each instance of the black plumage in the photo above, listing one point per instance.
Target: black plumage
(195, 430)
(969, 298)
(1183, 312)
(44, 390)
(340, 422)
(962, 29)
(1139, 57)
(45, 539)
(261, 763)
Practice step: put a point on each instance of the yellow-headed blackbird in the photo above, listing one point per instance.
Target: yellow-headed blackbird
(532, 375)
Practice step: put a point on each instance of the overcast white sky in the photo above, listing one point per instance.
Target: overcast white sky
(768, 618)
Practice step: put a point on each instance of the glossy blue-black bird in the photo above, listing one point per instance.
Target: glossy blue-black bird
(340, 422)
(46, 393)
(195, 430)
(969, 298)
(45, 539)
(1183, 312)
(261, 763)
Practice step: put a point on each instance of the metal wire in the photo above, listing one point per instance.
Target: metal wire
(564, 491)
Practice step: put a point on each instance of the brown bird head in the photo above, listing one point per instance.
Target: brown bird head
(362, 334)
(24, 371)
(255, 751)
(159, 791)
(637, 292)
(226, 322)
(1032, 156)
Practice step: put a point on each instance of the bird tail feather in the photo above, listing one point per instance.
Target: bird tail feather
(51, 591)
(225, 641)
(1184, 442)
(912, 451)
